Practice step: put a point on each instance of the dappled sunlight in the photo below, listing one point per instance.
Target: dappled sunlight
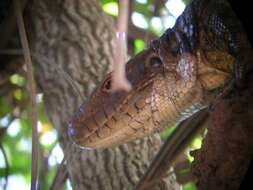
(176, 7)
(56, 156)
(17, 182)
(14, 128)
(142, 1)
(157, 23)
(5, 120)
(111, 8)
(139, 20)
(25, 144)
(49, 137)
(169, 21)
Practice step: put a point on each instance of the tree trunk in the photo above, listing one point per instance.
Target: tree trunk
(76, 37)
(227, 150)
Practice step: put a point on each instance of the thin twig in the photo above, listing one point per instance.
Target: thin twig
(32, 91)
(6, 167)
(119, 80)
(44, 166)
(60, 177)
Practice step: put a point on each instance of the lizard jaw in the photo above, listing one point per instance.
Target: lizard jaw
(134, 116)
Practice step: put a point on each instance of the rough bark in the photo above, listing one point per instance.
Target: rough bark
(76, 37)
(227, 150)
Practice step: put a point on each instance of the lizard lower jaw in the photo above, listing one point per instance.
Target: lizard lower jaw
(132, 121)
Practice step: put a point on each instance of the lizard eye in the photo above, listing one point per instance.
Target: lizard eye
(155, 61)
(107, 85)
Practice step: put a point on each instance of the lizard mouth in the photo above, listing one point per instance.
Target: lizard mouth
(112, 118)
(110, 126)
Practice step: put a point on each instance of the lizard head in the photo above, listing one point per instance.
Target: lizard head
(175, 77)
(159, 76)
(112, 118)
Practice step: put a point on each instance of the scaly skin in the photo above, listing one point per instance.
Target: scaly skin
(180, 73)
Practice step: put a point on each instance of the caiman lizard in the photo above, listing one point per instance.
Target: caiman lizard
(180, 73)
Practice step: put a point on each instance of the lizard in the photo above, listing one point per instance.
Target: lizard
(180, 73)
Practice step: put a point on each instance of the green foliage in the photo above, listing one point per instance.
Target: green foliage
(139, 45)
(142, 9)
(15, 116)
(111, 8)
(169, 131)
(18, 94)
(184, 171)
(5, 108)
(47, 181)
(186, 1)
(196, 144)
(190, 186)
(17, 79)
(18, 155)
(107, 1)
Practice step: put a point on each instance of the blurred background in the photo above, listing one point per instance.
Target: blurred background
(148, 19)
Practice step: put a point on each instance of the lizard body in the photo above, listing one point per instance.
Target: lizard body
(179, 74)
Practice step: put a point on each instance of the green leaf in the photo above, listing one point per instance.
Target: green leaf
(26, 127)
(111, 8)
(19, 160)
(107, 1)
(168, 131)
(184, 171)
(42, 114)
(4, 108)
(142, 9)
(186, 2)
(17, 79)
(197, 142)
(139, 45)
(18, 94)
(190, 186)
(50, 175)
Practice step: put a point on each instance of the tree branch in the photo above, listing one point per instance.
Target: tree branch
(32, 91)
(6, 166)
(60, 177)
